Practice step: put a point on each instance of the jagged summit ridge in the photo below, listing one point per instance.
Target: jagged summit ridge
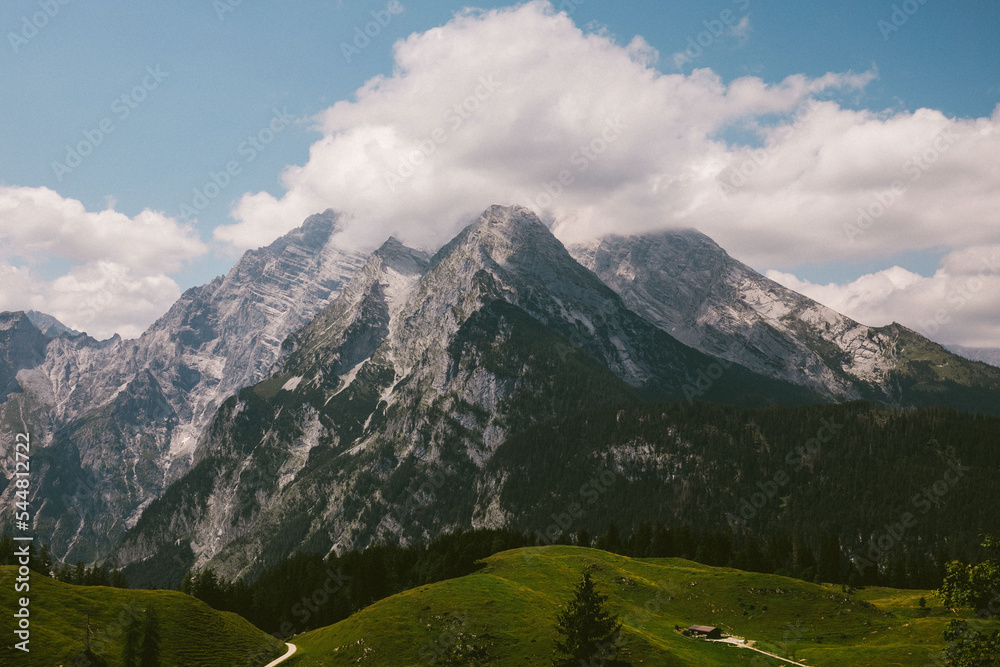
(687, 285)
(216, 339)
(416, 366)
(318, 384)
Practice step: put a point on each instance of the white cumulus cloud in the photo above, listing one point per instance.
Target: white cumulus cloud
(957, 305)
(521, 106)
(96, 271)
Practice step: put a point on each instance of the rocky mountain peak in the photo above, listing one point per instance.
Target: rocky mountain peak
(14, 319)
(512, 224)
(402, 258)
(500, 233)
(49, 325)
(317, 229)
(22, 346)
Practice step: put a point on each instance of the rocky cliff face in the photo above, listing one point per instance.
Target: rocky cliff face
(690, 287)
(22, 345)
(119, 420)
(314, 399)
(386, 408)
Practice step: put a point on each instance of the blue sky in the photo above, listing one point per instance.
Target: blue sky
(226, 68)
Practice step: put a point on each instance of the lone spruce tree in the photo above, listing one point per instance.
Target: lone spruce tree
(588, 632)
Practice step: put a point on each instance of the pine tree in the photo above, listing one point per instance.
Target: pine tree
(150, 656)
(79, 574)
(610, 540)
(189, 584)
(118, 579)
(588, 631)
(88, 657)
(829, 558)
(133, 637)
(45, 561)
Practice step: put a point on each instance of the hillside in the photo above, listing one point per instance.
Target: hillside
(760, 470)
(508, 610)
(192, 633)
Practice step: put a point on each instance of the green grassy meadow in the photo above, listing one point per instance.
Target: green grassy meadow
(509, 608)
(506, 612)
(192, 633)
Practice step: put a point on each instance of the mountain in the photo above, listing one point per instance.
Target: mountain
(987, 355)
(315, 399)
(49, 325)
(116, 421)
(22, 345)
(401, 390)
(687, 285)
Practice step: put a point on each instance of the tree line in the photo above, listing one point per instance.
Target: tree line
(308, 591)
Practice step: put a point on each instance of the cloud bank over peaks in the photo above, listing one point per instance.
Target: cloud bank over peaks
(100, 272)
(519, 105)
(957, 305)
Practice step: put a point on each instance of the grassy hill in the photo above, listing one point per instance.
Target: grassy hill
(508, 610)
(192, 633)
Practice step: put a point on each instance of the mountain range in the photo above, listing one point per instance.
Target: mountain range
(319, 399)
(988, 355)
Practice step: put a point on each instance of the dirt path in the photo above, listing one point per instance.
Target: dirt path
(291, 650)
(739, 642)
